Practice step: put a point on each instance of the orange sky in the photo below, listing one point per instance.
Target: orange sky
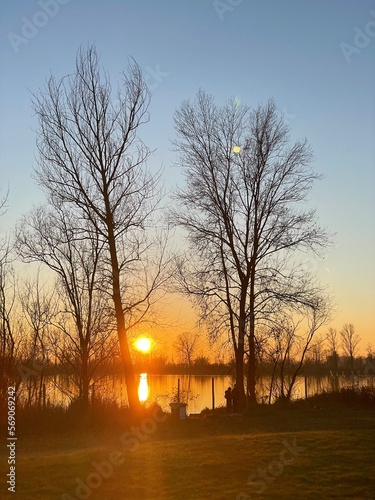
(179, 316)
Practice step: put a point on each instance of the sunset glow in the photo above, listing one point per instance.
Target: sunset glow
(187, 240)
(143, 344)
(143, 387)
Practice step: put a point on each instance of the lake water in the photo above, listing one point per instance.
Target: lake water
(195, 390)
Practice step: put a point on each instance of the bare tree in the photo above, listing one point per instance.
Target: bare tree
(9, 328)
(332, 338)
(317, 316)
(349, 342)
(290, 343)
(370, 351)
(244, 210)
(317, 349)
(49, 235)
(186, 345)
(90, 156)
(38, 308)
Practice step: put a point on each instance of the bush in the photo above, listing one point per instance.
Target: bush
(363, 397)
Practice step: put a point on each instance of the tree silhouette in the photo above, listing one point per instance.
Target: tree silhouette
(349, 342)
(333, 346)
(244, 209)
(90, 157)
(8, 327)
(186, 345)
(82, 327)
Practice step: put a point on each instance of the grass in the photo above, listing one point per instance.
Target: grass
(212, 457)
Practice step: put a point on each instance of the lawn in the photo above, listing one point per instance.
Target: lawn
(285, 453)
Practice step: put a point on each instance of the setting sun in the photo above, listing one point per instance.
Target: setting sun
(143, 344)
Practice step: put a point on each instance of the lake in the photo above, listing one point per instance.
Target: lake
(195, 390)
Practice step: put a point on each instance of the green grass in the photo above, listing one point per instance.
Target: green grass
(217, 457)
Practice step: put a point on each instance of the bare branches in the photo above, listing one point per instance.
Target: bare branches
(243, 208)
(3, 203)
(186, 346)
(92, 159)
(89, 151)
(349, 342)
(82, 319)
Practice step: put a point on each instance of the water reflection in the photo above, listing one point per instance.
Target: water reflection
(143, 389)
(196, 390)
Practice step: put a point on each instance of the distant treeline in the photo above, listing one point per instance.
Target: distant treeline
(202, 366)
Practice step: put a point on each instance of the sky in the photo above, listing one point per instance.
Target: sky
(314, 58)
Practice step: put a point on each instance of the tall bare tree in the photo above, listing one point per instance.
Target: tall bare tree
(186, 345)
(49, 236)
(8, 324)
(244, 209)
(332, 338)
(38, 306)
(349, 342)
(91, 157)
(315, 317)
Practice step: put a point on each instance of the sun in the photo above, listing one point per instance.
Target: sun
(143, 344)
(236, 149)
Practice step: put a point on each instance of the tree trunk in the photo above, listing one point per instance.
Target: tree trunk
(252, 356)
(240, 351)
(239, 367)
(272, 382)
(85, 379)
(131, 385)
(252, 368)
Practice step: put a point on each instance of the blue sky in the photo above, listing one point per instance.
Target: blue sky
(290, 50)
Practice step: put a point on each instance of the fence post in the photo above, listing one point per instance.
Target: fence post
(213, 393)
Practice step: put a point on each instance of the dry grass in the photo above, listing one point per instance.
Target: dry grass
(218, 457)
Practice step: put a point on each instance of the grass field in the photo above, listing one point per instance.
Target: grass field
(294, 452)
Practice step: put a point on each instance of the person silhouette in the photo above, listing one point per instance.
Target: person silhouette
(228, 397)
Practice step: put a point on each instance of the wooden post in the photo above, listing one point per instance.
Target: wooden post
(305, 387)
(178, 390)
(213, 394)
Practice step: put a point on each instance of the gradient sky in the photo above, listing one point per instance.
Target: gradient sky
(290, 50)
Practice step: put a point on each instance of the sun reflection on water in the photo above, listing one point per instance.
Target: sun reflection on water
(143, 388)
